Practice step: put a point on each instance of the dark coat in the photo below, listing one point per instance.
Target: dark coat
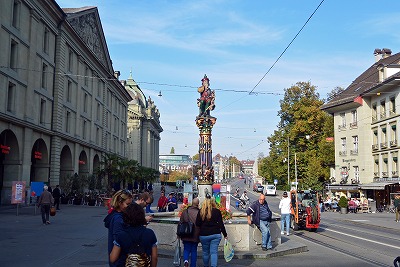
(192, 211)
(254, 210)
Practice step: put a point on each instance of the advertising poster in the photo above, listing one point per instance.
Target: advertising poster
(18, 192)
(36, 188)
(216, 188)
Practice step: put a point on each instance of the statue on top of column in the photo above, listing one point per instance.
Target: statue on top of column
(207, 98)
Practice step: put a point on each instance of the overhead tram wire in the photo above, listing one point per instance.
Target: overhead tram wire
(276, 61)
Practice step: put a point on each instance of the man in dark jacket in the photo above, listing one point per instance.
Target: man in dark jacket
(262, 217)
(57, 196)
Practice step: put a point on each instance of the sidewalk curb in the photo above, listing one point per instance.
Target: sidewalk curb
(281, 250)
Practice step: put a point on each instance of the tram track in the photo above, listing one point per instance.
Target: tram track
(338, 247)
(388, 234)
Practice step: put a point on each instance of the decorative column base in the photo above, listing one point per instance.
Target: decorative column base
(203, 188)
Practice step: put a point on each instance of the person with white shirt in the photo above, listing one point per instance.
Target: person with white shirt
(284, 206)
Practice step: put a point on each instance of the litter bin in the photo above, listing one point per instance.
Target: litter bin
(372, 205)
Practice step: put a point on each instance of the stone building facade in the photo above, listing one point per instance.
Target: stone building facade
(61, 105)
(144, 127)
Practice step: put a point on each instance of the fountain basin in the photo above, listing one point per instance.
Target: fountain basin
(242, 236)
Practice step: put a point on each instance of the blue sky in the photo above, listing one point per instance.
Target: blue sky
(170, 45)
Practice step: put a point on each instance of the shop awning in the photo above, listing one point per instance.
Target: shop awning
(342, 187)
(375, 186)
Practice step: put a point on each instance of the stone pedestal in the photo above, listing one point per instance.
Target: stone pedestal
(203, 188)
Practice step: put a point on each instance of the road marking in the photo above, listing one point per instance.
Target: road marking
(380, 243)
(360, 220)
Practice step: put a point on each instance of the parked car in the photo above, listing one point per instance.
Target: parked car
(270, 190)
(257, 187)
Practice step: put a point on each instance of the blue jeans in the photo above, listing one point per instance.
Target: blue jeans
(210, 245)
(266, 234)
(285, 218)
(190, 248)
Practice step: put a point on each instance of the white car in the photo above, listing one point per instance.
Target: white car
(270, 190)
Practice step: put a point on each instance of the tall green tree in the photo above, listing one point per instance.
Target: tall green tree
(302, 131)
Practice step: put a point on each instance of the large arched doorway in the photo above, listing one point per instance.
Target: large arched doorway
(96, 167)
(66, 167)
(40, 162)
(9, 161)
(96, 163)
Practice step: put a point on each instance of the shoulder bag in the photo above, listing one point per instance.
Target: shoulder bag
(53, 211)
(186, 227)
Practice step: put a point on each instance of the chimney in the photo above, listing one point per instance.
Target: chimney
(386, 52)
(377, 54)
(117, 74)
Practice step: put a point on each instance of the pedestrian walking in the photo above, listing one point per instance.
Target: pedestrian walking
(114, 221)
(209, 219)
(190, 243)
(57, 195)
(284, 206)
(45, 201)
(259, 214)
(396, 203)
(135, 245)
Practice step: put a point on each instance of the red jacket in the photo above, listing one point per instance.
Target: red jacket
(162, 202)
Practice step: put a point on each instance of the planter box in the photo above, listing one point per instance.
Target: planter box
(343, 210)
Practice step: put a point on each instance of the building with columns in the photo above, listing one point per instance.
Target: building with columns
(61, 103)
(143, 143)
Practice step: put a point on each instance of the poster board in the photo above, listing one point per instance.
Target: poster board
(216, 188)
(36, 191)
(18, 192)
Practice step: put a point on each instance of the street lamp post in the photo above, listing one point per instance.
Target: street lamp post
(288, 164)
(295, 164)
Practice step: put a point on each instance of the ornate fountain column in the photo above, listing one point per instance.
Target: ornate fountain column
(205, 123)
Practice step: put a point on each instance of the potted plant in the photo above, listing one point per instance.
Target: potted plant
(343, 204)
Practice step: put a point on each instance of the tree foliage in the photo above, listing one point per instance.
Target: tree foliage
(335, 92)
(302, 131)
(115, 169)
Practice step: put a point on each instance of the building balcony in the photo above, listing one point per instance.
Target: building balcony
(342, 153)
(342, 127)
(375, 147)
(384, 145)
(354, 152)
(353, 125)
(382, 115)
(386, 179)
(393, 143)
